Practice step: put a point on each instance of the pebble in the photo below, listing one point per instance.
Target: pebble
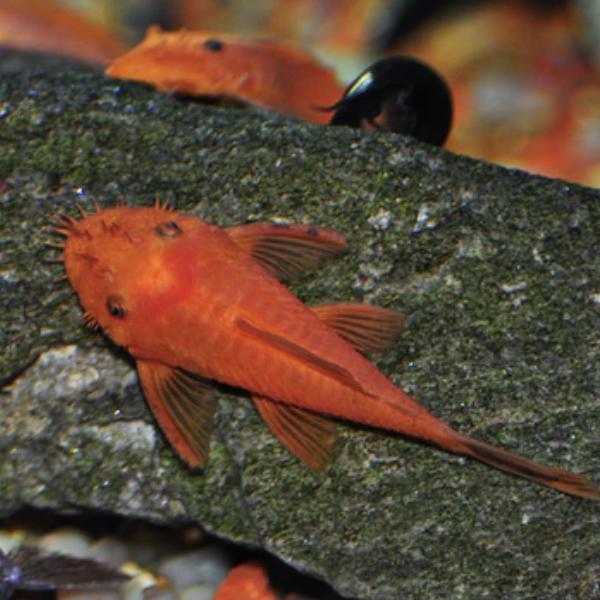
(10, 539)
(88, 595)
(136, 587)
(68, 540)
(205, 565)
(111, 550)
(201, 591)
(161, 591)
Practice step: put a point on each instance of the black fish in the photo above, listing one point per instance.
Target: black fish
(31, 568)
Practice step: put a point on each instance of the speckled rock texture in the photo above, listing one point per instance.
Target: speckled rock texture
(497, 272)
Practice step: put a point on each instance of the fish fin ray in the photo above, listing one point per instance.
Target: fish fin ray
(559, 479)
(367, 328)
(44, 570)
(287, 250)
(184, 405)
(308, 436)
(300, 354)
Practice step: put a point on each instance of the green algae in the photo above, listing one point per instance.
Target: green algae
(497, 272)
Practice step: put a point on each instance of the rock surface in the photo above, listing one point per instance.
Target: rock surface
(498, 274)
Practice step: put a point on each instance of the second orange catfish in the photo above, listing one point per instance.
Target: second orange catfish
(263, 73)
(194, 303)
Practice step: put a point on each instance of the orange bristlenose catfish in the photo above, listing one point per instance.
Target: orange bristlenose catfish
(248, 581)
(263, 73)
(195, 303)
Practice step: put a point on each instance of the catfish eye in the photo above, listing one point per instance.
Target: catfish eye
(169, 230)
(116, 306)
(213, 45)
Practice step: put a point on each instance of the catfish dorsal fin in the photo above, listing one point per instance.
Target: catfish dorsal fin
(308, 436)
(287, 250)
(367, 328)
(184, 405)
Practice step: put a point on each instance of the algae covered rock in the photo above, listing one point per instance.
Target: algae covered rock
(496, 271)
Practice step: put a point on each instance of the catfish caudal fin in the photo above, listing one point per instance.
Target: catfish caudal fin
(559, 479)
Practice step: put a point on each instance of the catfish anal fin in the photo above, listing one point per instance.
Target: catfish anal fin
(183, 404)
(308, 436)
(367, 328)
(287, 250)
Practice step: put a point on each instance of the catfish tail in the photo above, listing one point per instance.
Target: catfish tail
(559, 479)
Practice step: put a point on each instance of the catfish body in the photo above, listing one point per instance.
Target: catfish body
(247, 581)
(262, 73)
(194, 303)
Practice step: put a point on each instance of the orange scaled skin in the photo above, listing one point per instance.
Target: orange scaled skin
(246, 582)
(261, 73)
(188, 297)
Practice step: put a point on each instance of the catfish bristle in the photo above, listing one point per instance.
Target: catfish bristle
(164, 205)
(67, 225)
(57, 218)
(62, 216)
(559, 479)
(57, 245)
(89, 320)
(82, 211)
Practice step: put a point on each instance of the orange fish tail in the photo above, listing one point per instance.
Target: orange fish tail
(559, 479)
